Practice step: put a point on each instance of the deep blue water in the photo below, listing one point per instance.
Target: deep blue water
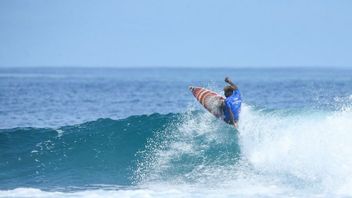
(131, 131)
(47, 97)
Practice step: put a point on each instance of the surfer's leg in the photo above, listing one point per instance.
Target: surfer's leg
(222, 105)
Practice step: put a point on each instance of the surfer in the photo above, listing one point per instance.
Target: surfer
(232, 103)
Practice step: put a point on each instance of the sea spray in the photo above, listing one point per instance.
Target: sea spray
(307, 150)
(187, 149)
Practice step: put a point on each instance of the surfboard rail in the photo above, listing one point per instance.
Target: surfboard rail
(211, 101)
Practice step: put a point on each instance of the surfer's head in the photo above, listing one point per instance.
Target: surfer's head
(228, 90)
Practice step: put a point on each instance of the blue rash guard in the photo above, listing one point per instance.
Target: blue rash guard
(232, 102)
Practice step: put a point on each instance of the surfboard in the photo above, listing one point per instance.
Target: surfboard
(210, 100)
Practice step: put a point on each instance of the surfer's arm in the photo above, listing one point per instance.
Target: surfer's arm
(234, 122)
(227, 79)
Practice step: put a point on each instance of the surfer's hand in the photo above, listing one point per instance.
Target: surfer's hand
(235, 124)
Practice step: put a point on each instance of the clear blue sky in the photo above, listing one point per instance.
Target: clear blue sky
(190, 33)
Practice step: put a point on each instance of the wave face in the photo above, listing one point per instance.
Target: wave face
(95, 152)
(274, 153)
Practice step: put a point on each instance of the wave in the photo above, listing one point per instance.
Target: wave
(296, 152)
(277, 151)
(100, 151)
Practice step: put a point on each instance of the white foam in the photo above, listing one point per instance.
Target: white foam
(297, 154)
(161, 191)
(142, 193)
(312, 151)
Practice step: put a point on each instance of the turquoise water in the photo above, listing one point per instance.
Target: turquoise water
(139, 132)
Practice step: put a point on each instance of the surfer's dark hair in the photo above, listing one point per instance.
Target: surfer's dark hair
(228, 90)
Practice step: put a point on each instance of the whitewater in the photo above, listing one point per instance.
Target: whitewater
(298, 145)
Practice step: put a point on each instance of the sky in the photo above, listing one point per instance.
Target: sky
(176, 33)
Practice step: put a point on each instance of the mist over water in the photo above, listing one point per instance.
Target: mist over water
(297, 145)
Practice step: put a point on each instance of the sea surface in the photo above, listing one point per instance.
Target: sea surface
(107, 132)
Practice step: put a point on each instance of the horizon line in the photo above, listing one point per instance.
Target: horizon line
(180, 67)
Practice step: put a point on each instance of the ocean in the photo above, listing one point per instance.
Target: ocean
(120, 132)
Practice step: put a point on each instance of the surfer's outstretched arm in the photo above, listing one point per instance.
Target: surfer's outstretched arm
(227, 79)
